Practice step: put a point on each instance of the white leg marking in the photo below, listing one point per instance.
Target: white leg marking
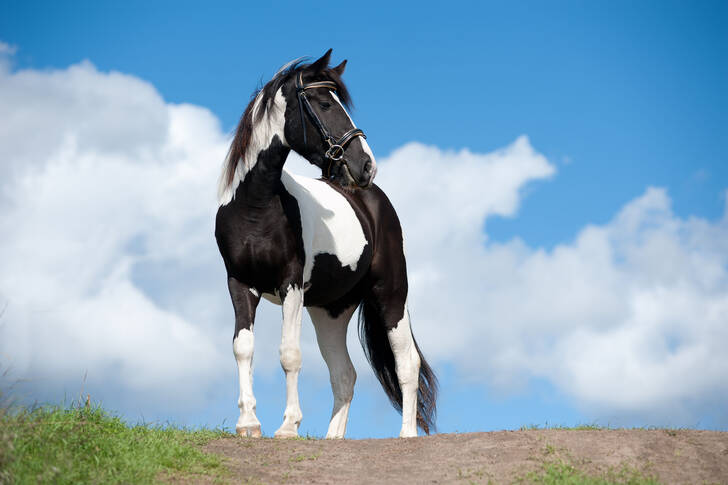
(407, 363)
(331, 336)
(290, 353)
(248, 424)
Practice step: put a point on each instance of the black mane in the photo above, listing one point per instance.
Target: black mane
(245, 127)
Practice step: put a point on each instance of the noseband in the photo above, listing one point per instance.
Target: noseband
(335, 152)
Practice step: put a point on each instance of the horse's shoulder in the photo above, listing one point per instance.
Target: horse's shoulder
(377, 207)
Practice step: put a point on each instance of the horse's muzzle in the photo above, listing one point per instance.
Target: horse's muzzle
(370, 170)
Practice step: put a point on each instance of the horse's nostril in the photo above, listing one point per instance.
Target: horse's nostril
(367, 174)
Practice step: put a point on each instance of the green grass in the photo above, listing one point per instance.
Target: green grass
(563, 473)
(559, 468)
(672, 431)
(308, 437)
(85, 444)
(578, 427)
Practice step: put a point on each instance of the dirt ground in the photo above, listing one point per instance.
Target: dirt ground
(671, 456)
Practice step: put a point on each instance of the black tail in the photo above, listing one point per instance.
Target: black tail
(374, 341)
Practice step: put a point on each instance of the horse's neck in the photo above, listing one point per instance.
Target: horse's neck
(261, 184)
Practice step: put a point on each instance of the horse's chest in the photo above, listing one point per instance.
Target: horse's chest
(336, 250)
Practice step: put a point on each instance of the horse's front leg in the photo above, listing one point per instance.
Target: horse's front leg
(245, 302)
(290, 353)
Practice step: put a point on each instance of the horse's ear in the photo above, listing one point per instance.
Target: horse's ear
(322, 63)
(340, 68)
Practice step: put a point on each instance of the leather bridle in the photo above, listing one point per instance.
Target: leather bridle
(335, 152)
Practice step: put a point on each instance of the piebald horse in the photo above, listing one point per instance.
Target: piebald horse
(331, 245)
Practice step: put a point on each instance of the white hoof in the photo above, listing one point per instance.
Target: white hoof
(287, 431)
(252, 431)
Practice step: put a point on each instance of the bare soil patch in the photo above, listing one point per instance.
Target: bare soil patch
(670, 456)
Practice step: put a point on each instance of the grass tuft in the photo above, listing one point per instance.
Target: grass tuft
(86, 444)
(578, 427)
(564, 473)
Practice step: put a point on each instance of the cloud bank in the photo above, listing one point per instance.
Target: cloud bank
(630, 318)
(108, 264)
(105, 211)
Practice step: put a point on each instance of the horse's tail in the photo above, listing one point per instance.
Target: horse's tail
(374, 341)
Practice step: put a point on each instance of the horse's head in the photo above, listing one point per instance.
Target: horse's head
(302, 108)
(318, 127)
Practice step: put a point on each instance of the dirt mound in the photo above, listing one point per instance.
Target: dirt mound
(670, 456)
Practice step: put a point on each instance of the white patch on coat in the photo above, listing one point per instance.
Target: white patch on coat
(362, 140)
(290, 354)
(407, 364)
(272, 123)
(328, 223)
(253, 291)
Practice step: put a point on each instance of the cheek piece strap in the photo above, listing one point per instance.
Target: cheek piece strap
(336, 146)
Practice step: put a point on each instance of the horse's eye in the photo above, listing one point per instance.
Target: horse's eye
(325, 106)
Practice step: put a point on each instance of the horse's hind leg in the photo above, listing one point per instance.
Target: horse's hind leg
(290, 353)
(331, 336)
(388, 342)
(407, 362)
(245, 302)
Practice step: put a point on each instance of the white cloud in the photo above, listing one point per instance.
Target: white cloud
(107, 202)
(629, 318)
(100, 179)
(7, 49)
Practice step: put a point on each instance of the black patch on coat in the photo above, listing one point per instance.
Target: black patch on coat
(331, 281)
(259, 231)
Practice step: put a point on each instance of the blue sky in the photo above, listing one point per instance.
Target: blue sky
(631, 92)
(617, 96)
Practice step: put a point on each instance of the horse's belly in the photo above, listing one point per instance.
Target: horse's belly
(330, 280)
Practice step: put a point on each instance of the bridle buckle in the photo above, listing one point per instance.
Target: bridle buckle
(335, 153)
